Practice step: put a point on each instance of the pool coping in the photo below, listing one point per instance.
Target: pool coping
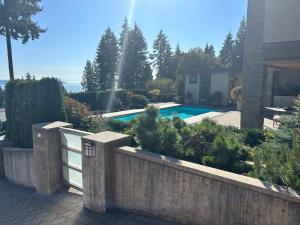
(191, 120)
(133, 111)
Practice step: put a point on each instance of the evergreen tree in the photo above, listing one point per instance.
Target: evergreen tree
(226, 51)
(178, 52)
(106, 60)
(209, 50)
(135, 67)
(161, 56)
(123, 43)
(89, 82)
(16, 23)
(239, 45)
(28, 76)
(124, 34)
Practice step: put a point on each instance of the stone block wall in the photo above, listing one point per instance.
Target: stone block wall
(193, 194)
(19, 166)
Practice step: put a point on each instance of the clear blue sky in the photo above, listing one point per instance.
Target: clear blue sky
(75, 28)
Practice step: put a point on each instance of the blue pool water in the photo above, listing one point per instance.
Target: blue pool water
(183, 112)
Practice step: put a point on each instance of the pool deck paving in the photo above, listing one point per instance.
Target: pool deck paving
(233, 118)
(22, 206)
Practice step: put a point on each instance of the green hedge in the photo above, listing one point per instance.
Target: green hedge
(102, 100)
(29, 102)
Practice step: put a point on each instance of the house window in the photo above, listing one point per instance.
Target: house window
(193, 78)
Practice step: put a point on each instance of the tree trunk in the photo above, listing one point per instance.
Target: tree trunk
(9, 55)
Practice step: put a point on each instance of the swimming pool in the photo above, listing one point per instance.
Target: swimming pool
(183, 112)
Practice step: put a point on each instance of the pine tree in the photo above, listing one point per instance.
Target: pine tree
(239, 45)
(226, 51)
(89, 82)
(161, 55)
(106, 60)
(16, 23)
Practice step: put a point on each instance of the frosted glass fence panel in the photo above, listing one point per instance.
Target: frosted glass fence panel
(72, 138)
(72, 158)
(73, 176)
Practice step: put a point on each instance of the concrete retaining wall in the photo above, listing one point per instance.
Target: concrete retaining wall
(193, 194)
(19, 166)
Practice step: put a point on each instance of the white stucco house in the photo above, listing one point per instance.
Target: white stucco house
(199, 87)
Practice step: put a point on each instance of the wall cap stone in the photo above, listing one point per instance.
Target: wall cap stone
(12, 149)
(105, 137)
(51, 126)
(216, 174)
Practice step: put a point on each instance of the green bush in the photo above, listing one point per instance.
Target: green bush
(216, 98)
(107, 100)
(166, 86)
(277, 159)
(29, 102)
(254, 137)
(154, 95)
(102, 100)
(93, 124)
(147, 132)
(117, 125)
(137, 101)
(226, 154)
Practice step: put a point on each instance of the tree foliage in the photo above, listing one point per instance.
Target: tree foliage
(135, 69)
(89, 79)
(106, 60)
(226, 53)
(16, 23)
(239, 46)
(161, 56)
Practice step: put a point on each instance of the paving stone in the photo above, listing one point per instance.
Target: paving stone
(22, 206)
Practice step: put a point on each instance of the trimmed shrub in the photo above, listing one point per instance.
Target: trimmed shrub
(107, 100)
(154, 95)
(137, 101)
(216, 98)
(76, 111)
(117, 125)
(166, 86)
(29, 102)
(93, 124)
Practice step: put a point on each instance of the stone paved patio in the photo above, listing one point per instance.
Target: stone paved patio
(23, 206)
